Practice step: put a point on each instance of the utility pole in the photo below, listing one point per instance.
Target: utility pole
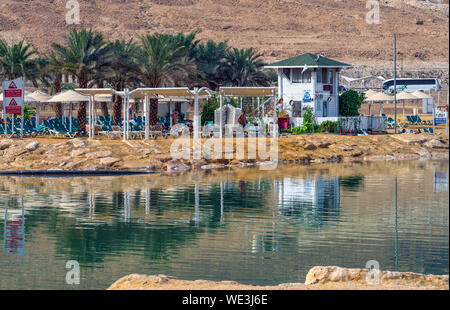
(395, 84)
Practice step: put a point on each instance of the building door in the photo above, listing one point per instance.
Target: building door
(325, 108)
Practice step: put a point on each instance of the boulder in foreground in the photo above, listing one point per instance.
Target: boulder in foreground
(318, 278)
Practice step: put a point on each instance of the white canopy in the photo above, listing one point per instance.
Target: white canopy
(173, 92)
(68, 96)
(406, 96)
(379, 97)
(40, 96)
(370, 93)
(248, 91)
(421, 95)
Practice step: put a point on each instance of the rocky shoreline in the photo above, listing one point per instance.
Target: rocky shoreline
(318, 278)
(154, 155)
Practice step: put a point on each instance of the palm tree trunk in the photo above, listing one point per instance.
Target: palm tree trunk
(103, 105)
(153, 111)
(57, 88)
(82, 109)
(117, 110)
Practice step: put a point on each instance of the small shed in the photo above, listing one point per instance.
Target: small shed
(309, 80)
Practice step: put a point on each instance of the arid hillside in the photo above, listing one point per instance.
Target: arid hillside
(276, 28)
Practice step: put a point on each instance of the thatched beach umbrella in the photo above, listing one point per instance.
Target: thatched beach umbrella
(69, 96)
(379, 97)
(421, 95)
(40, 97)
(405, 96)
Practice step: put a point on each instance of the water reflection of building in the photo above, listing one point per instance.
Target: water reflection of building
(14, 229)
(305, 199)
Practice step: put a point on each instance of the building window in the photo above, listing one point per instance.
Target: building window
(287, 73)
(324, 76)
(296, 76)
(299, 77)
(319, 76)
(330, 77)
(306, 77)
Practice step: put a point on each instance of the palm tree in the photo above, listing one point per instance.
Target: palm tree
(161, 60)
(84, 56)
(123, 71)
(16, 61)
(244, 68)
(211, 62)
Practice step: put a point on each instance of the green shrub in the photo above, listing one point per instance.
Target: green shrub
(299, 130)
(328, 126)
(350, 103)
(309, 120)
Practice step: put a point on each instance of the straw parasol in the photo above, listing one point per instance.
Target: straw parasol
(376, 96)
(370, 93)
(405, 96)
(69, 96)
(421, 95)
(40, 97)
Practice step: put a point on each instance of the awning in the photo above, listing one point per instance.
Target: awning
(95, 91)
(174, 92)
(248, 91)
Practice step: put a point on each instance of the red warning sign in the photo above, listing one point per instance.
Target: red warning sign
(13, 93)
(13, 96)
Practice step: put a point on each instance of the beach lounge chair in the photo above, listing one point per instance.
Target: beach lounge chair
(431, 130)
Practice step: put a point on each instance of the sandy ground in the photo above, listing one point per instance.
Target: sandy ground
(155, 155)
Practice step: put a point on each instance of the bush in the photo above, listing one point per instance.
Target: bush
(328, 126)
(209, 106)
(309, 120)
(350, 103)
(299, 130)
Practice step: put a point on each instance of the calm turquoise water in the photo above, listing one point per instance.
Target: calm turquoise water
(249, 226)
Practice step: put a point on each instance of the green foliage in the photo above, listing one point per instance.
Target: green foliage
(209, 106)
(328, 126)
(350, 103)
(299, 130)
(16, 61)
(309, 121)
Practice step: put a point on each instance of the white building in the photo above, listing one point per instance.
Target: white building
(309, 81)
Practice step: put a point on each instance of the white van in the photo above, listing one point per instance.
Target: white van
(411, 85)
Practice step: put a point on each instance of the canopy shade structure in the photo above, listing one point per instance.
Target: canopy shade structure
(103, 98)
(68, 96)
(421, 95)
(406, 96)
(174, 92)
(370, 93)
(248, 91)
(379, 97)
(95, 91)
(40, 96)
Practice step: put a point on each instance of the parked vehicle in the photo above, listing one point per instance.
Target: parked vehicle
(411, 85)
